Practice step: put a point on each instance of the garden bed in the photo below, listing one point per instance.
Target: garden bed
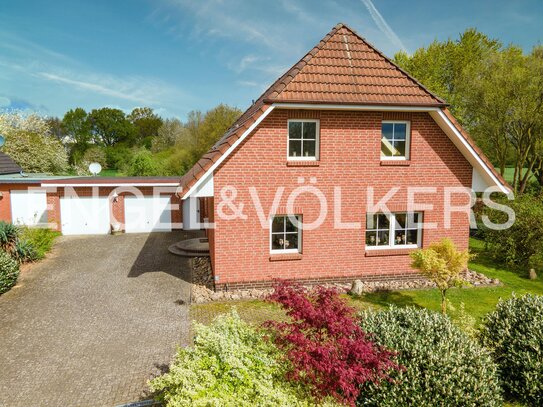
(203, 288)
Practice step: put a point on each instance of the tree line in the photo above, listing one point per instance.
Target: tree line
(138, 143)
(496, 92)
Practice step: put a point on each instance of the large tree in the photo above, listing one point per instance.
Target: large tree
(495, 92)
(29, 141)
(111, 126)
(169, 133)
(448, 68)
(205, 131)
(77, 130)
(146, 124)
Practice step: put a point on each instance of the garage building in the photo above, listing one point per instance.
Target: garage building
(91, 205)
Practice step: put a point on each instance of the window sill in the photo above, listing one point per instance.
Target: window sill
(388, 252)
(395, 163)
(285, 256)
(303, 163)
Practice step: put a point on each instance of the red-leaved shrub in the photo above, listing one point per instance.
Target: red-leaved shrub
(326, 348)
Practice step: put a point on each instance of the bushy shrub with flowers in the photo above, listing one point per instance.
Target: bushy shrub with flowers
(230, 364)
(324, 346)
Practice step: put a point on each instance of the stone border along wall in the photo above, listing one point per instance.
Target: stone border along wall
(204, 290)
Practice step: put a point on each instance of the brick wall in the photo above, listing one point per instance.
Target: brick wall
(349, 158)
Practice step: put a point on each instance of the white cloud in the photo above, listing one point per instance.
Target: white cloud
(247, 61)
(383, 25)
(135, 90)
(291, 7)
(215, 18)
(250, 84)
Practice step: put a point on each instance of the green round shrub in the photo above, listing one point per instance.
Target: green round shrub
(442, 366)
(514, 335)
(9, 272)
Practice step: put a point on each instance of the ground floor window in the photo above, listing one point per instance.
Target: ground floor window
(286, 236)
(402, 230)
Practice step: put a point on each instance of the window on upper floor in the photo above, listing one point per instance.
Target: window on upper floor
(303, 139)
(285, 234)
(395, 230)
(395, 138)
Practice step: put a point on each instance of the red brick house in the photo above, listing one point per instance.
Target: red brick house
(342, 122)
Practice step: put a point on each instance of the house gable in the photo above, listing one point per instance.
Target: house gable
(343, 71)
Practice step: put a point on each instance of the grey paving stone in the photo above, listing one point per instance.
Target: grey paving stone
(92, 323)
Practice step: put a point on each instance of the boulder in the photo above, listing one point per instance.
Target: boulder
(357, 288)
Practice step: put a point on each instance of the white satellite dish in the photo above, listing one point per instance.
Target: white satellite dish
(2, 140)
(95, 168)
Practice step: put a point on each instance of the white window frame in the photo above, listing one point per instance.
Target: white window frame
(407, 140)
(299, 227)
(392, 230)
(317, 140)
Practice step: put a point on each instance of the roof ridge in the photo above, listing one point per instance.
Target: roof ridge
(393, 63)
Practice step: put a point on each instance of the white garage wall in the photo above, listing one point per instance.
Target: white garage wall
(28, 207)
(85, 215)
(147, 214)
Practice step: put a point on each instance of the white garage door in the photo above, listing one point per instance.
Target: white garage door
(85, 215)
(28, 207)
(147, 214)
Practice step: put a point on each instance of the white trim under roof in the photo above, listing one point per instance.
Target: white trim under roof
(227, 153)
(120, 184)
(467, 151)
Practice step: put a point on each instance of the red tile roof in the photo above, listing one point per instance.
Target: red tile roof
(343, 68)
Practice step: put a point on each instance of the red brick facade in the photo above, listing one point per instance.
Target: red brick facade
(350, 144)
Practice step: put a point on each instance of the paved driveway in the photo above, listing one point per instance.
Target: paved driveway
(90, 324)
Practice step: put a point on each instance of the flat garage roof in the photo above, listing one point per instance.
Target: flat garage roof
(111, 181)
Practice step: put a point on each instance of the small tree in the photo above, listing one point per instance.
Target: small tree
(143, 164)
(442, 263)
(324, 345)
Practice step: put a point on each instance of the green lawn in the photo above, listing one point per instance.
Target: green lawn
(510, 172)
(477, 301)
(109, 173)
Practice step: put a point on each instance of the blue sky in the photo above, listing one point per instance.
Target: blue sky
(180, 55)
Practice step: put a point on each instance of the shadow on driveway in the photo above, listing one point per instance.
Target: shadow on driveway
(154, 255)
(80, 330)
